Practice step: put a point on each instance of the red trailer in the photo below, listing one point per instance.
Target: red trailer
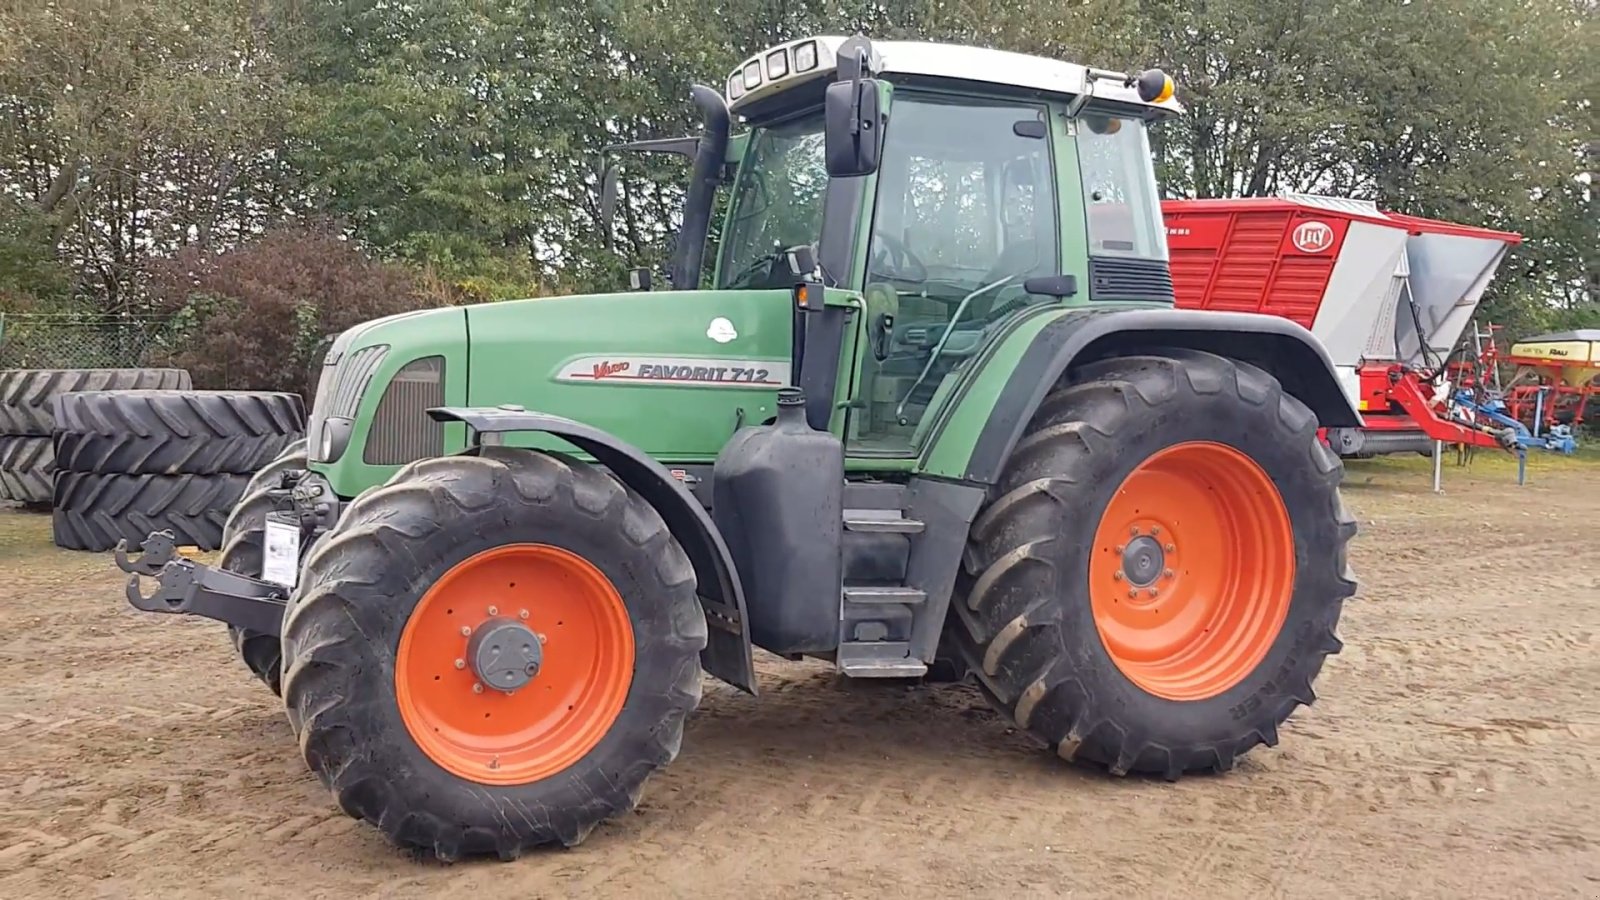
(1389, 295)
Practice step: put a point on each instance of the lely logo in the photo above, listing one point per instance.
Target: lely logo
(609, 369)
(1312, 237)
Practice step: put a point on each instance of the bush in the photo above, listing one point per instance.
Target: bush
(259, 317)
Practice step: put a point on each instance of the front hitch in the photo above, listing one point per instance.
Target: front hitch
(185, 587)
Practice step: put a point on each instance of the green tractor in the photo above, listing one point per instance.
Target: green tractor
(934, 415)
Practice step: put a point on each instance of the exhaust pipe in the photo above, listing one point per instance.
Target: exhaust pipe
(703, 180)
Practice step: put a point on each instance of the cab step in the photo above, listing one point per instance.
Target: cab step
(879, 659)
(881, 520)
(873, 595)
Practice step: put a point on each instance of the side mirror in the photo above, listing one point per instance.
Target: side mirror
(608, 202)
(852, 125)
(1062, 286)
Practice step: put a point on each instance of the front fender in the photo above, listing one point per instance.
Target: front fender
(728, 651)
(988, 417)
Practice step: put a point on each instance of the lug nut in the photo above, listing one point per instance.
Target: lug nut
(461, 664)
(494, 762)
(1134, 531)
(1171, 547)
(1133, 595)
(1121, 547)
(523, 614)
(493, 611)
(1117, 575)
(1152, 592)
(540, 636)
(1167, 574)
(1155, 530)
(465, 631)
(477, 687)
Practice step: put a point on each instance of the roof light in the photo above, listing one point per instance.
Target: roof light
(805, 57)
(752, 75)
(1154, 86)
(777, 64)
(735, 87)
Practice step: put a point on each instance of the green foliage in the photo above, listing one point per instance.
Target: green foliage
(31, 275)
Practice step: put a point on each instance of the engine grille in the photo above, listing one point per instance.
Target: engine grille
(1130, 279)
(340, 388)
(401, 430)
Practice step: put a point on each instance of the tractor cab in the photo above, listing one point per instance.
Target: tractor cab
(932, 193)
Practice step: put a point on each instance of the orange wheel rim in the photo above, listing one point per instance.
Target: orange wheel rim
(1192, 571)
(524, 602)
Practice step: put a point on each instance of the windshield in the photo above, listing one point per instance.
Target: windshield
(1119, 188)
(777, 203)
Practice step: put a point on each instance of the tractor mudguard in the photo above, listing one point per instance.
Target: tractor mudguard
(728, 651)
(1282, 348)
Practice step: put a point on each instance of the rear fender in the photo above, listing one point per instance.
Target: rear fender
(973, 443)
(728, 652)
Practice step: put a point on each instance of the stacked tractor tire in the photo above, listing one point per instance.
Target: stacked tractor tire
(119, 453)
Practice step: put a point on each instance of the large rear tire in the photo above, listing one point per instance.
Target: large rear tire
(242, 553)
(175, 432)
(1157, 580)
(27, 469)
(573, 571)
(95, 512)
(27, 396)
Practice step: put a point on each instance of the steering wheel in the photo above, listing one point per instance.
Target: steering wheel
(903, 264)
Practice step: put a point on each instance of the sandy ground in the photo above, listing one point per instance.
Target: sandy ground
(1454, 753)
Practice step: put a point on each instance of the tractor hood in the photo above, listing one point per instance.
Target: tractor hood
(672, 372)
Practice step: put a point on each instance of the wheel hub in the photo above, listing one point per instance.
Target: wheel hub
(505, 654)
(1143, 561)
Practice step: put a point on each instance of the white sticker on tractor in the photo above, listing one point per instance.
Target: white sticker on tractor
(1312, 237)
(280, 553)
(743, 373)
(721, 330)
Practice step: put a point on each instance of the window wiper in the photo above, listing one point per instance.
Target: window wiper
(757, 266)
(938, 348)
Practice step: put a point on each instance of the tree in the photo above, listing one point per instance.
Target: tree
(256, 317)
(136, 128)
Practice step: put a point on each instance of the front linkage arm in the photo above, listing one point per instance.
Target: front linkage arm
(185, 587)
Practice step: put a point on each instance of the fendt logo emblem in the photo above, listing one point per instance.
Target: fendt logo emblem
(1312, 237)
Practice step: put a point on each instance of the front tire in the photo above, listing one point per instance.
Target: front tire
(242, 550)
(1158, 578)
(396, 712)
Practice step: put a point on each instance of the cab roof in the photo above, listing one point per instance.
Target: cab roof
(812, 60)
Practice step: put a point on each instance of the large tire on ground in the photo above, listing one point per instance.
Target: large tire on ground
(27, 395)
(1157, 578)
(94, 512)
(242, 552)
(27, 469)
(379, 679)
(175, 432)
